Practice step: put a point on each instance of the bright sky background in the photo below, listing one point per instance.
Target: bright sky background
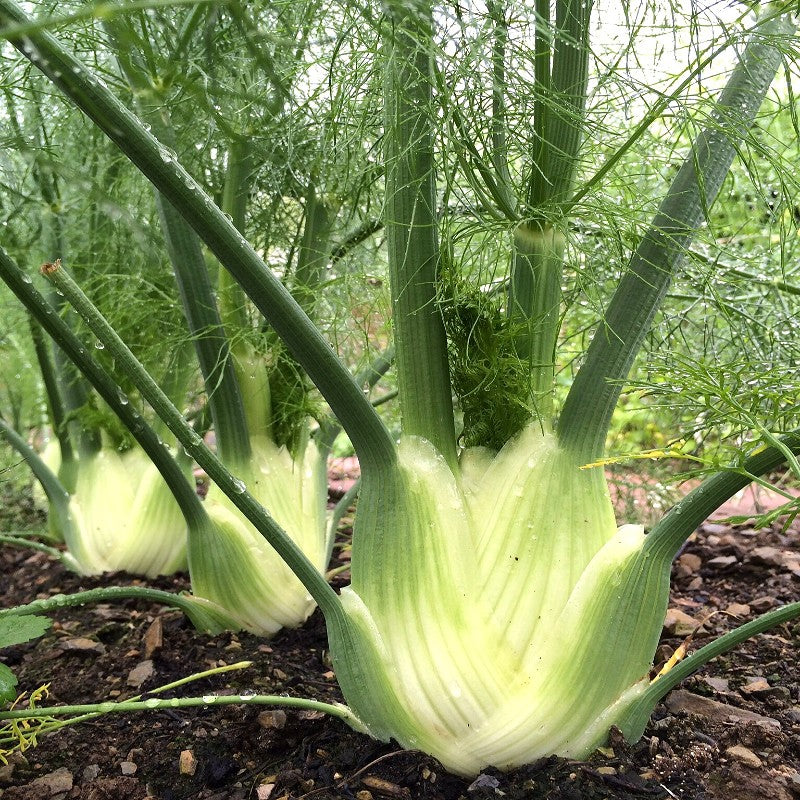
(669, 36)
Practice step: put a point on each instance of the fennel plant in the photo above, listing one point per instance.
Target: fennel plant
(105, 499)
(496, 612)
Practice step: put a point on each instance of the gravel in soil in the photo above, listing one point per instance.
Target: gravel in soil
(731, 731)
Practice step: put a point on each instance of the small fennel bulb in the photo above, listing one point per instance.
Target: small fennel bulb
(518, 622)
(124, 517)
(238, 570)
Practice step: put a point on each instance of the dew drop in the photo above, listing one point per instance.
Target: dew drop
(239, 486)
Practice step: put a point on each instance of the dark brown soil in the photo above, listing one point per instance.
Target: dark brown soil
(698, 744)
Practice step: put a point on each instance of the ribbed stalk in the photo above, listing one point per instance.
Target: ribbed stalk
(235, 197)
(560, 99)
(542, 74)
(193, 444)
(561, 60)
(312, 257)
(288, 386)
(208, 335)
(593, 396)
(194, 285)
(250, 366)
(365, 429)
(413, 248)
(499, 153)
(535, 308)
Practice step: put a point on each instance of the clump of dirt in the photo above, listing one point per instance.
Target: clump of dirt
(732, 731)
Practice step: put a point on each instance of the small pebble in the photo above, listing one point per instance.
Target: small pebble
(716, 683)
(81, 644)
(688, 564)
(483, 782)
(744, 755)
(153, 637)
(679, 623)
(755, 686)
(714, 528)
(720, 562)
(773, 696)
(58, 782)
(187, 763)
(274, 719)
(738, 610)
(264, 791)
(143, 671)
(770, 556)
(762, 603)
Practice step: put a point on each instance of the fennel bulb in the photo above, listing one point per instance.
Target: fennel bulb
(518, 620)
(124, 517)
(238, 570)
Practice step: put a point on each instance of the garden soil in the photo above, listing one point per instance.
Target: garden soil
(731, 731)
